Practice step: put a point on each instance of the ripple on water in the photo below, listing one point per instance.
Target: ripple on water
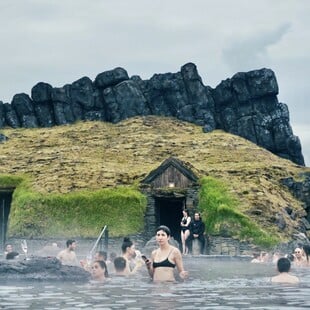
(215, 287)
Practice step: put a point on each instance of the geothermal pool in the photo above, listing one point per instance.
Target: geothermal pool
(213, 284)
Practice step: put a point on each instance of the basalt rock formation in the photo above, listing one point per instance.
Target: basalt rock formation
(300, 190)
(41, 269)
(245, 105)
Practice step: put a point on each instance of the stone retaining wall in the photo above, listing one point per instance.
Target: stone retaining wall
(215, 245)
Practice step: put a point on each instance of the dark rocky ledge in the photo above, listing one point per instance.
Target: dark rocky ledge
(41, 269)
(245, 105)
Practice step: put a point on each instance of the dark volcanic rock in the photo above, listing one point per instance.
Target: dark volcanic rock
(111, 77)
(41, 95)
(301, 190)
(11, 116)
(41, 269)
(123, 101)
(199, 98)
(3, 138)
(23, 106)
(62, 107)
(2, 115)
(245, 105)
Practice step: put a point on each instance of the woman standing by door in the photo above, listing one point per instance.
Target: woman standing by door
(185, 232)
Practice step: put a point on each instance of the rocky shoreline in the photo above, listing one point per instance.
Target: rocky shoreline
(41, 269)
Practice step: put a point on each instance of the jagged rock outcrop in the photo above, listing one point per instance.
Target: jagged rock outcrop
(41, 269)
(301, 190)
(245, 105)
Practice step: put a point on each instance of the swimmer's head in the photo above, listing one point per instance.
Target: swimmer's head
(164, 229)
(128, 245)
(284, 264)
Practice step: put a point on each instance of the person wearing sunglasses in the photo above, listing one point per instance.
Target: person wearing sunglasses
(299, 258)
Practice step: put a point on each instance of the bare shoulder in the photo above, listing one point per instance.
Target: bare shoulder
(175, 251)
(61, 253)
(154, 253)
(295, 279)
(285, 279)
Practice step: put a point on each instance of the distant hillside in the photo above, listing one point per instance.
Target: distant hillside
(95, 155)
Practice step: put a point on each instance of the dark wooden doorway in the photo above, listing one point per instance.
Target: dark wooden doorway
(5, 206)
(169, 213)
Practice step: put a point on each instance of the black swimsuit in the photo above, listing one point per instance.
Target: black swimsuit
(164, 263)
(184, 228)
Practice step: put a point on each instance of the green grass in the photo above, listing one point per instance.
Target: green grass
(81, 214)
(220, 211)
(59, 174)
(10, 181)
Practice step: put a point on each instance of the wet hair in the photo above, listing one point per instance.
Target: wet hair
(164, 228)
(103, 265)
(119, 263)
(127, 243)
(306, 249)
(69, 242)
(103, 254)
(284, 264)
(291, 257)
(11, 255)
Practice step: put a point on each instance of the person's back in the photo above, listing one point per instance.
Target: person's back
(284, 266)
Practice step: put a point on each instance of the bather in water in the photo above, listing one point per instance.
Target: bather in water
(165, 259)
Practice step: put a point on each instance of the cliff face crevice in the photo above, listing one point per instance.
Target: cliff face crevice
(245, 105)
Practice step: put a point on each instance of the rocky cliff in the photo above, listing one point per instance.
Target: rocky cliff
(245, 105)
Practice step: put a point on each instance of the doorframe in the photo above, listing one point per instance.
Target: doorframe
(162, 210)
(190, 196)
(6, 196)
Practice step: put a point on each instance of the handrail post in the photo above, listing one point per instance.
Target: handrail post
(97, 241)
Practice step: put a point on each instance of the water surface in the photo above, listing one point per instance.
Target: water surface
(213, 284)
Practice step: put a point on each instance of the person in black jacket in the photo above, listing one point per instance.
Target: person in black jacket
(197, 230)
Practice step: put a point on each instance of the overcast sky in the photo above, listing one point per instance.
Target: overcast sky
(60, 41)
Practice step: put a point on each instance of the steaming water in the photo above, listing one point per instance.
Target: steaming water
(213, 284)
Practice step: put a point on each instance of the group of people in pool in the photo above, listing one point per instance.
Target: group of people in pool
(163, 260)
(300, 257)
(160, 265)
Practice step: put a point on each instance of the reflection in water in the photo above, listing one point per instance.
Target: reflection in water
(212, 285)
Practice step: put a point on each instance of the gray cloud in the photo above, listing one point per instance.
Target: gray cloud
(252, 51)
(60, 41)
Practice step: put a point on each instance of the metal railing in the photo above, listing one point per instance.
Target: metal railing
(99, 239)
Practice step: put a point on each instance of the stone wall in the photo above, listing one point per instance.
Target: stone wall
(227, 246)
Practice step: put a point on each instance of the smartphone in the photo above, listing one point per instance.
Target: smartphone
(144, 257)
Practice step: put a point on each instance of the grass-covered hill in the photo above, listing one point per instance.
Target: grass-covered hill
(69, 177)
